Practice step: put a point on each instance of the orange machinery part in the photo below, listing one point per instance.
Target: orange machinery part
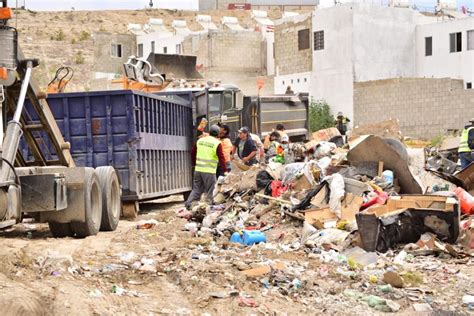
(6, 13)
(137, 86)
(3, 73)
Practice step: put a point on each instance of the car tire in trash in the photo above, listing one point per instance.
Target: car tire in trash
(60, 230)
(398, 146)
(111, 197)
(92, 206)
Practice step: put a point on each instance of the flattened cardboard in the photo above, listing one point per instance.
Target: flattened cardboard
(351, 206)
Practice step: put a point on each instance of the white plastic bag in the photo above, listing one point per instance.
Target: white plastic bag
(337, 188)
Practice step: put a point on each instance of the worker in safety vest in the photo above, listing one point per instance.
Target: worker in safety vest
(207, 155)
(466, 145)
(341, 123)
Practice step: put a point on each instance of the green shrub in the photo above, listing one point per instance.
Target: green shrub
(59, 36)
(84, 36)
(320, 116)
(79, 59)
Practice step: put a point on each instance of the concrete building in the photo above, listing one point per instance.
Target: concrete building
(162, 43)
(446, 49)
(359, 42)
(111, 51)
(293, 53)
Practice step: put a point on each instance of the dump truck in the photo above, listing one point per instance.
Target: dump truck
(74, 201)
(175, 76)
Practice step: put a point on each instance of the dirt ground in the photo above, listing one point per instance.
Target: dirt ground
(41, 275)
(168, 270)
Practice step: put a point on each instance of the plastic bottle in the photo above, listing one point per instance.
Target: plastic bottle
(466, 200)
(388, 176)
(202, 124)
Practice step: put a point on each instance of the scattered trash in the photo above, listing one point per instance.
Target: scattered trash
(393, 278)
(147, 224)
(95, 293)
(248, 237)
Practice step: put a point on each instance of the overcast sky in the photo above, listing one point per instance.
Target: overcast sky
(140, 4)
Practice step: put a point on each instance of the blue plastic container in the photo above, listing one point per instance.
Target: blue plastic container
(248, 237)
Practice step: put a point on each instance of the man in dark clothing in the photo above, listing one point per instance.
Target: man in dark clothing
(341, 123)
(466, 145)
(245, 147)
(206, 156)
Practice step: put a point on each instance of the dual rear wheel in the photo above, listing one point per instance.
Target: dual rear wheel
(102, 203)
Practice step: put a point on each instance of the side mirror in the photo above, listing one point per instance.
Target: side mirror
(239, 100)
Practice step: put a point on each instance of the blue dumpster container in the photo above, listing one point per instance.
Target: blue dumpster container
(146, 137)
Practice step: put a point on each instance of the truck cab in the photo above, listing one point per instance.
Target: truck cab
(226, 104)
(220, 105)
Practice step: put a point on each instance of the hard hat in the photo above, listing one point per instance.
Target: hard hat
(214, 130)
(340, 114)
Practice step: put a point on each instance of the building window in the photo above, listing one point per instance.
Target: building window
(116, 50)
(428, 46)
(165, 50)
(283, 82)
(291, 81)
(303, 39)
(140, 50)
(468, 85)
(305, 80)
(470, 40)
(319, 40)
(455, 42)
(178, 49)
(153, 47)
(298, 80)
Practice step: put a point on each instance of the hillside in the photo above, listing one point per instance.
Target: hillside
(66, 38)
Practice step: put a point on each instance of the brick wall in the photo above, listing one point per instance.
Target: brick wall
(288, 58)
(425, 107)
(103, 61)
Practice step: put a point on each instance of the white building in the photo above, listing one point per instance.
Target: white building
(446, 49)
(357, 42)
(159, 43)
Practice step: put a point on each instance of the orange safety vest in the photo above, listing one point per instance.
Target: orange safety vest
(226, 148)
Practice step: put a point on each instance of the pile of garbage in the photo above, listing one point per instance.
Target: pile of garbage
(353, 206)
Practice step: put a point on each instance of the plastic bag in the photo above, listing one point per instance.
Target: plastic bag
(294, 170)
(278, 188)
(324, 149)
(337, 188)
(263, 179)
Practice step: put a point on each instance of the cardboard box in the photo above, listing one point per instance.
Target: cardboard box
(350, 207)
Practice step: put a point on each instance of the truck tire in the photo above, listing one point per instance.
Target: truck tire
(59, 230)
(93, 206)
(111, 195)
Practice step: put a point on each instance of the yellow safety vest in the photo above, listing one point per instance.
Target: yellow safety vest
(206, 157)
(464, 145)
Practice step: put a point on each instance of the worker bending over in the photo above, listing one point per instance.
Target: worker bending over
(466, 145)
(207, 155)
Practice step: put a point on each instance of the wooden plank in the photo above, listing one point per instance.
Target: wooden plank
(380, 171)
